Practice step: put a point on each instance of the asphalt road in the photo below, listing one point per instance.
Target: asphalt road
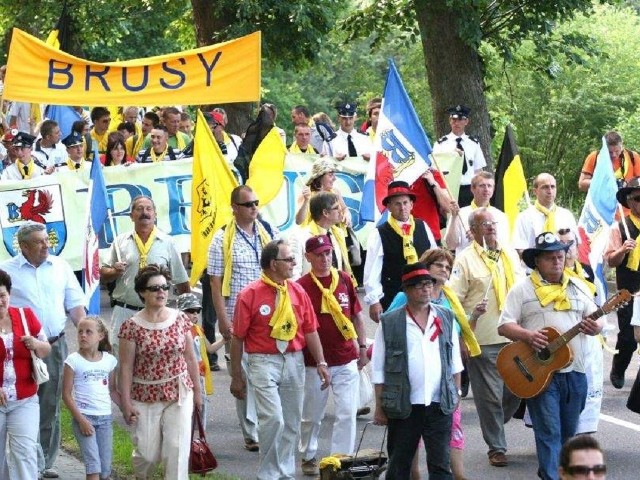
(618, 432)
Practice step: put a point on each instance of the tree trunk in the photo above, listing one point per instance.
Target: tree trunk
(208, 22)
(454, 72)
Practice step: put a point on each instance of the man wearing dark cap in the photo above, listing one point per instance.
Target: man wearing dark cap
(26, 166)
(343, 339)
(466, 146)
(349, 142)
(551, 298)
(398, 242)
(623, 253)
(75, 150)
(416, 367)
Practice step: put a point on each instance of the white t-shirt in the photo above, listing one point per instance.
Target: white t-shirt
(91, 383)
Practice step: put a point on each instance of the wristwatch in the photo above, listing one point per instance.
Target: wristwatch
(322, 364)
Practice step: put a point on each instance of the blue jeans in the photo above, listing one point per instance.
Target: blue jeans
(97, 449)
(554, 415)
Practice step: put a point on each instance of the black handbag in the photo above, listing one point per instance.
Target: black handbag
(633, 403)
(201, 459)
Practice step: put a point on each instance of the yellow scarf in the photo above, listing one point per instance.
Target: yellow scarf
(458, 310)
(633, 260)
(101, 140)
(144, 248)
(578, 272)
(408, 250)
(229, 237)
(159, 157)
(330, 305)
(550, 217)
(204, 358)
(180, 144)
(283, 323)
(473, 205)
(294, 148)
(500, 287)
(139, 145)
(336, 233)
(72, 165)
(30, 167)
(552, 292)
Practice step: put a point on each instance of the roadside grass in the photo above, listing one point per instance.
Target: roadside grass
(122, 448)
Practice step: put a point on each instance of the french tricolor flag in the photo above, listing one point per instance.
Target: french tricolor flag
(401, 147)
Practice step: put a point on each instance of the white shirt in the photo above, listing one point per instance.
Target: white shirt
(425, 369)
(15, 170)
(50, 156)
(232, 147)
(22, 112)
(373, 264)
(635, 319)
(297, 241)
(530, 224)
(91, 383)
(472, 153)
(340, 145)
(456, 232)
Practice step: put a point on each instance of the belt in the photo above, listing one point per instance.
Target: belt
(125, 305)
(53, 340)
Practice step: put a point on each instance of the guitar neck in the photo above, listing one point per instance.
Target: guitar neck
(567, 336)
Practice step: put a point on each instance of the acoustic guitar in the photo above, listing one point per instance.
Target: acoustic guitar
(527, 372)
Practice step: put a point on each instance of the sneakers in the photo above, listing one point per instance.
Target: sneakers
(50, 473)
(363, 411)
(310, 467)
(498, 459)
(214, 367)
(251, 446)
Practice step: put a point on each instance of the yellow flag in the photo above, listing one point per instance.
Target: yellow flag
(267, 166)
(210, 195)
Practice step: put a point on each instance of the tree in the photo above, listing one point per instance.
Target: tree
(452, 32)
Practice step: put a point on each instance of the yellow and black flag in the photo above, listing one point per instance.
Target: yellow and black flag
(511, 185)
(59, 37)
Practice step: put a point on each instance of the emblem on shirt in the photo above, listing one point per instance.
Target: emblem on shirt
(42, 205)
(265, 310)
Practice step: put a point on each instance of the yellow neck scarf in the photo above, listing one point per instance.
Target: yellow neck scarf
(337, 233)
(204, 358)
(180, 144)
(294, 148)
(283, 323)
(408, 250)
(552, 292)
(30, 166)
(72, 165)
(227, 251)
(458, 310)
(578, 272)
(550, 217)
(101, 140)
(633, 260)
(160, 156)
(330, 305)
(144, 247)
(502, 281)
(138, 146)
(473, 205)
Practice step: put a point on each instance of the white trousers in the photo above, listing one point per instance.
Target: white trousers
(345, 388)
(163, 435)
(19, 426)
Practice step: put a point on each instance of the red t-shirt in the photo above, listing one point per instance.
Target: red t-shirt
(254, 308)
(426, 205)
(337, 350)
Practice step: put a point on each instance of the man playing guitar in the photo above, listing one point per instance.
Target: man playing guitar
(550, 298)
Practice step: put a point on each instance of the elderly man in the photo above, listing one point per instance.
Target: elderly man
(413, 400)
(550, 298)
(160, 150)
(458, 235)
(324, 209)
(273, 321)
(483, 273)
(234, 262)
(401, 240)
(47, 285)
(543, 216)
(130, 251)
(623, 254)
(343, 338)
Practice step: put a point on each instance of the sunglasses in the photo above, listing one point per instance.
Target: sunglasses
(288, 259)
(583, 470)
(194, 311)
(253, 203)
(157, 288)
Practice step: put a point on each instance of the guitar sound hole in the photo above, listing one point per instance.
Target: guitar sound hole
(544, 354)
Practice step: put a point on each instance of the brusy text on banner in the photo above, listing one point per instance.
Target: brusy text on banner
(221, 73)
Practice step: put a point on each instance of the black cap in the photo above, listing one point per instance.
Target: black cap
(346, 109)
(72, 140)
(23, 139)
(631, 186)
(459, 111)
(415, 273)
(545, 242)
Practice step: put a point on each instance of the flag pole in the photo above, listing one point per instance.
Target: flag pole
(113, 229)
(624, 224)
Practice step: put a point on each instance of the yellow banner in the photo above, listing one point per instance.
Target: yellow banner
(222, 73)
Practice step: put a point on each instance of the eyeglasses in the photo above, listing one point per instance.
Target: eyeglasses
(423, 285)
(193, 311)
(288, 259)
(157, 288)
(583, 470)
(252, 203)
(634, 199)
(487, 224)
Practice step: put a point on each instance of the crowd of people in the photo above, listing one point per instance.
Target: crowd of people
(288, 308)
